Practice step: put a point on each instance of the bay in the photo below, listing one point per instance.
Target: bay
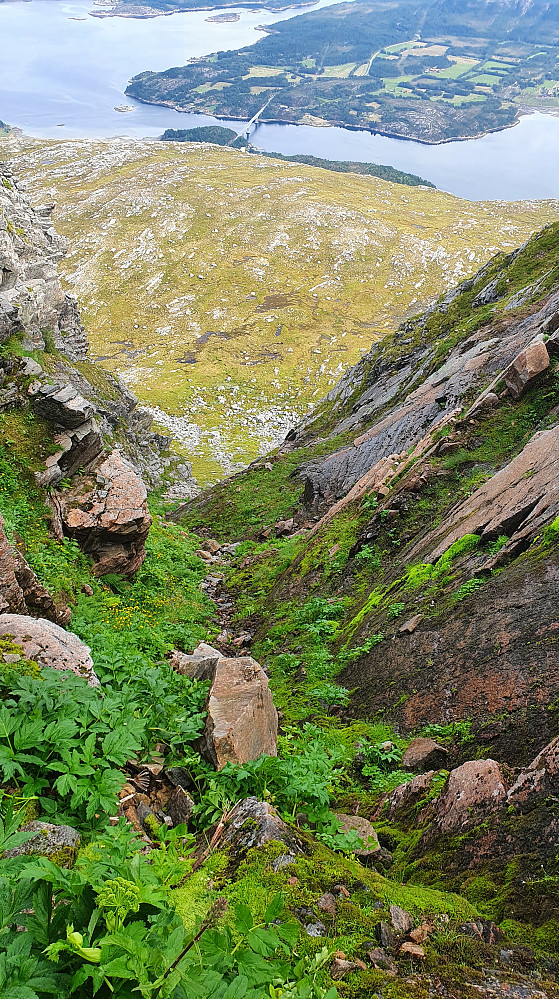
(63, 72)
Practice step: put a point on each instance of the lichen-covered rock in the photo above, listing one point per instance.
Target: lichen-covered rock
(57, 843)
(49, 645)
(242, 721)
(110, 520)
(253, 823)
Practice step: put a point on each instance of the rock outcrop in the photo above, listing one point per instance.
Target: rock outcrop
(58, 843)
(20, 590)
(242, 721)
(49, 645)
(110, 519)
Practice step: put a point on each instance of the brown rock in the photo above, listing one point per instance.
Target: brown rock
(409, 626)
(380, 959)
(526, 367)
(242, 721)
(327, 903)
(474, 790)
(180, 807)
(409, 949)
(20, 590)
(364, 829)
(212, 546)
(402, 799)
(111, 520)
(284, 527)
(420, 934)
(49, 645)
(386, 935)
(340, 968)
(401, 920)
(539, 780)
(422, 754)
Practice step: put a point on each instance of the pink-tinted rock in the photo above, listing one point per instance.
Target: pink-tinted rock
(49, 645)
(538, 780)
(473, 791)
(526, 367)
(403, 798)
(109, 520)
(242, 721)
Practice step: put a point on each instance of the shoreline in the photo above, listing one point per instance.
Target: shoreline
(523, 111)
(119, 9)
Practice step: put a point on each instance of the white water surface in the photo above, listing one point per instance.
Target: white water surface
(62, 72)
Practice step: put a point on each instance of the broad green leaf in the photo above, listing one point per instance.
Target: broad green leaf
(237, 988)
(243, 918)
(274, 909)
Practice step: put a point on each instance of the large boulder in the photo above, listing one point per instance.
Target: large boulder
(526, 368)
(20, 590)
(110, 520)
(242, 721)
(472, 793)
(198, 666)
(49, 645)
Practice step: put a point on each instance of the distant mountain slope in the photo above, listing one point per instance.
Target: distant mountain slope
(232, 290)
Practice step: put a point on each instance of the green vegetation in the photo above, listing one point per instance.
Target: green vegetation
(356, 66)
(206, 133)
(366, 169)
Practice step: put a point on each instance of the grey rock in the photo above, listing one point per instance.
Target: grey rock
(252, 823)
(386, 936)
(284, 860)
(60, 842)
(49, 645)
(64, 406)
(198, 666)
(316, 929)
(401, 920)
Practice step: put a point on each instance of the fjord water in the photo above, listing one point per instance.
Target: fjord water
(62, 72)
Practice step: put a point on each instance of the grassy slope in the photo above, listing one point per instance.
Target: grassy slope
(330, 261)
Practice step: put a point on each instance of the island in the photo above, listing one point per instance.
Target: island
(402, 68)
(156, 8)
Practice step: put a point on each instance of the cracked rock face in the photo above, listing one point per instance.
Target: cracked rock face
(20, 590)
(111, 520)
(31, 296)
(49, 645)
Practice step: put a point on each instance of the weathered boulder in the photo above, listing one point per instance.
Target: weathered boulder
(525, 368)
(422, 754)
(198, 666)
(49, 645)
(364, 829)
(77, 447)
(20, 590)
(57, 843)
(109, 520)
(242, 721)
(473, 791)
(62, 404)
(253, 823)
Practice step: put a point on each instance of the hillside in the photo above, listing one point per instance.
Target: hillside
(231, 291)
(352, 791)
(426, 71)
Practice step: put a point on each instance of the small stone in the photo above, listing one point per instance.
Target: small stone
(87, 589)
(342, 890)
(412, 950)
(401, 920)
(386, 936)
(420, 934)
(293, 881)
(316, 929)
(380, 959)
(408, 627)
(284, 860)
(340, 968)
(11, 657)
(423, 754)
(327, 903)
(364, 829)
